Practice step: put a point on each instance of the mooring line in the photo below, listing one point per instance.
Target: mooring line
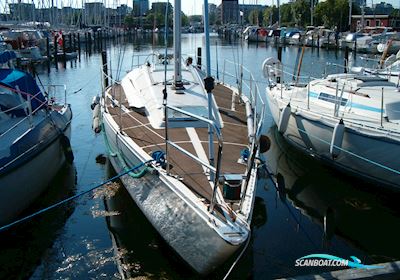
(72, 197)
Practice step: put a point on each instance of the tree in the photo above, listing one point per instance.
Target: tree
(253, 17)
(185, 19)
(270, 15)
(286, 14)
(301, 12)
(333, 14)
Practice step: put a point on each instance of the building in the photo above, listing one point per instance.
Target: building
(123, 10)
(159, 7)
(94, 13)
(140, 7)
(382, 8)
(230, 11)
(369, 21)
(247, 8)
(22, 11)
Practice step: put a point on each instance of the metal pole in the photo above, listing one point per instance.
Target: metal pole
(177, 45)
(209, 86)
(382, 109)
(336, 98)
(308, 94)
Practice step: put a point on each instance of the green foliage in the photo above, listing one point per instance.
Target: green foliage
(301, 12)
(255, 17)
(287, 15)
(270, 15)
(332, 14)
(129, 21)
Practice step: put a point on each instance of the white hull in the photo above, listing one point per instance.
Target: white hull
(183, 225)
(21, 186)
(318, 136)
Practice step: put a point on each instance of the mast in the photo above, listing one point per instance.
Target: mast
(209, 86)
(279, 13)
(177, 45)
(350, 12)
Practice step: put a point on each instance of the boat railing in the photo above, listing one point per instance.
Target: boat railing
(27, 107)
(55, 93)
(338, 68)
(216, 170)
(247, 85)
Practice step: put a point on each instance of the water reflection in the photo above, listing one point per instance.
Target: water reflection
(365, 215)
(23, 246)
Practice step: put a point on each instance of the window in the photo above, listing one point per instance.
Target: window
(331, 98)
(378, 23)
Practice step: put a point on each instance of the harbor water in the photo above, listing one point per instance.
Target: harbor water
(103, 235)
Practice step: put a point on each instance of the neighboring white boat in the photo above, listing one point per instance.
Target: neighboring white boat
(388, 68)
(255, 34)
(370, 40)
(34, 137)
(200, 202)
(351, 121)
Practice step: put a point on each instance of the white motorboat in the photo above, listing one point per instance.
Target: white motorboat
(167, 118)
(255, 34)
(350, 121)
(34, 137)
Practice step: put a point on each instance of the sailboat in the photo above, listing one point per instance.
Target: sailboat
(349, 121)
(160, 120)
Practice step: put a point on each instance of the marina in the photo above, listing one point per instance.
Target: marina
(215, 157)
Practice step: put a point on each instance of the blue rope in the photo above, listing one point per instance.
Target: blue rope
(245, 153)
(159, 157)
(72, 197)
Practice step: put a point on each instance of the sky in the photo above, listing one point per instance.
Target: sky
(189, 7)
(194, 7)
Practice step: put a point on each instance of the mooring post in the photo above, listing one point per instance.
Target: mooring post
(63, 48)
(79, 45)
(70, 41)
(48, 49)
(346, 58)
(55, 49)
(105, 68)
(94, 40)
(199, 58)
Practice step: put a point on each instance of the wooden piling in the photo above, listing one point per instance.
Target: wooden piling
(79, 44)
(94, 39)
(199, 58)
(55, 50)
(74, 41)
(355, 46)
(48, 48)
(280, 53)
(105, 68)
(63, 48)
(346, 58)
(70, 41)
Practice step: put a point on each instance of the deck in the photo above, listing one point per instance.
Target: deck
(195, 140)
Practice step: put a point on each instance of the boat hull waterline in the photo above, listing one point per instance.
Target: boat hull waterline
(313, 136)
(24, 183)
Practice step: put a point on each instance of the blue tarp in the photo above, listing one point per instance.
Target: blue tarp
(6, 56)
(23, 83)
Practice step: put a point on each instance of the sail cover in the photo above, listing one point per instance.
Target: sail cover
(6, 56)
(24, 83)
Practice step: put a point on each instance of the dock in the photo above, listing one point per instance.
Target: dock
(390, 270)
